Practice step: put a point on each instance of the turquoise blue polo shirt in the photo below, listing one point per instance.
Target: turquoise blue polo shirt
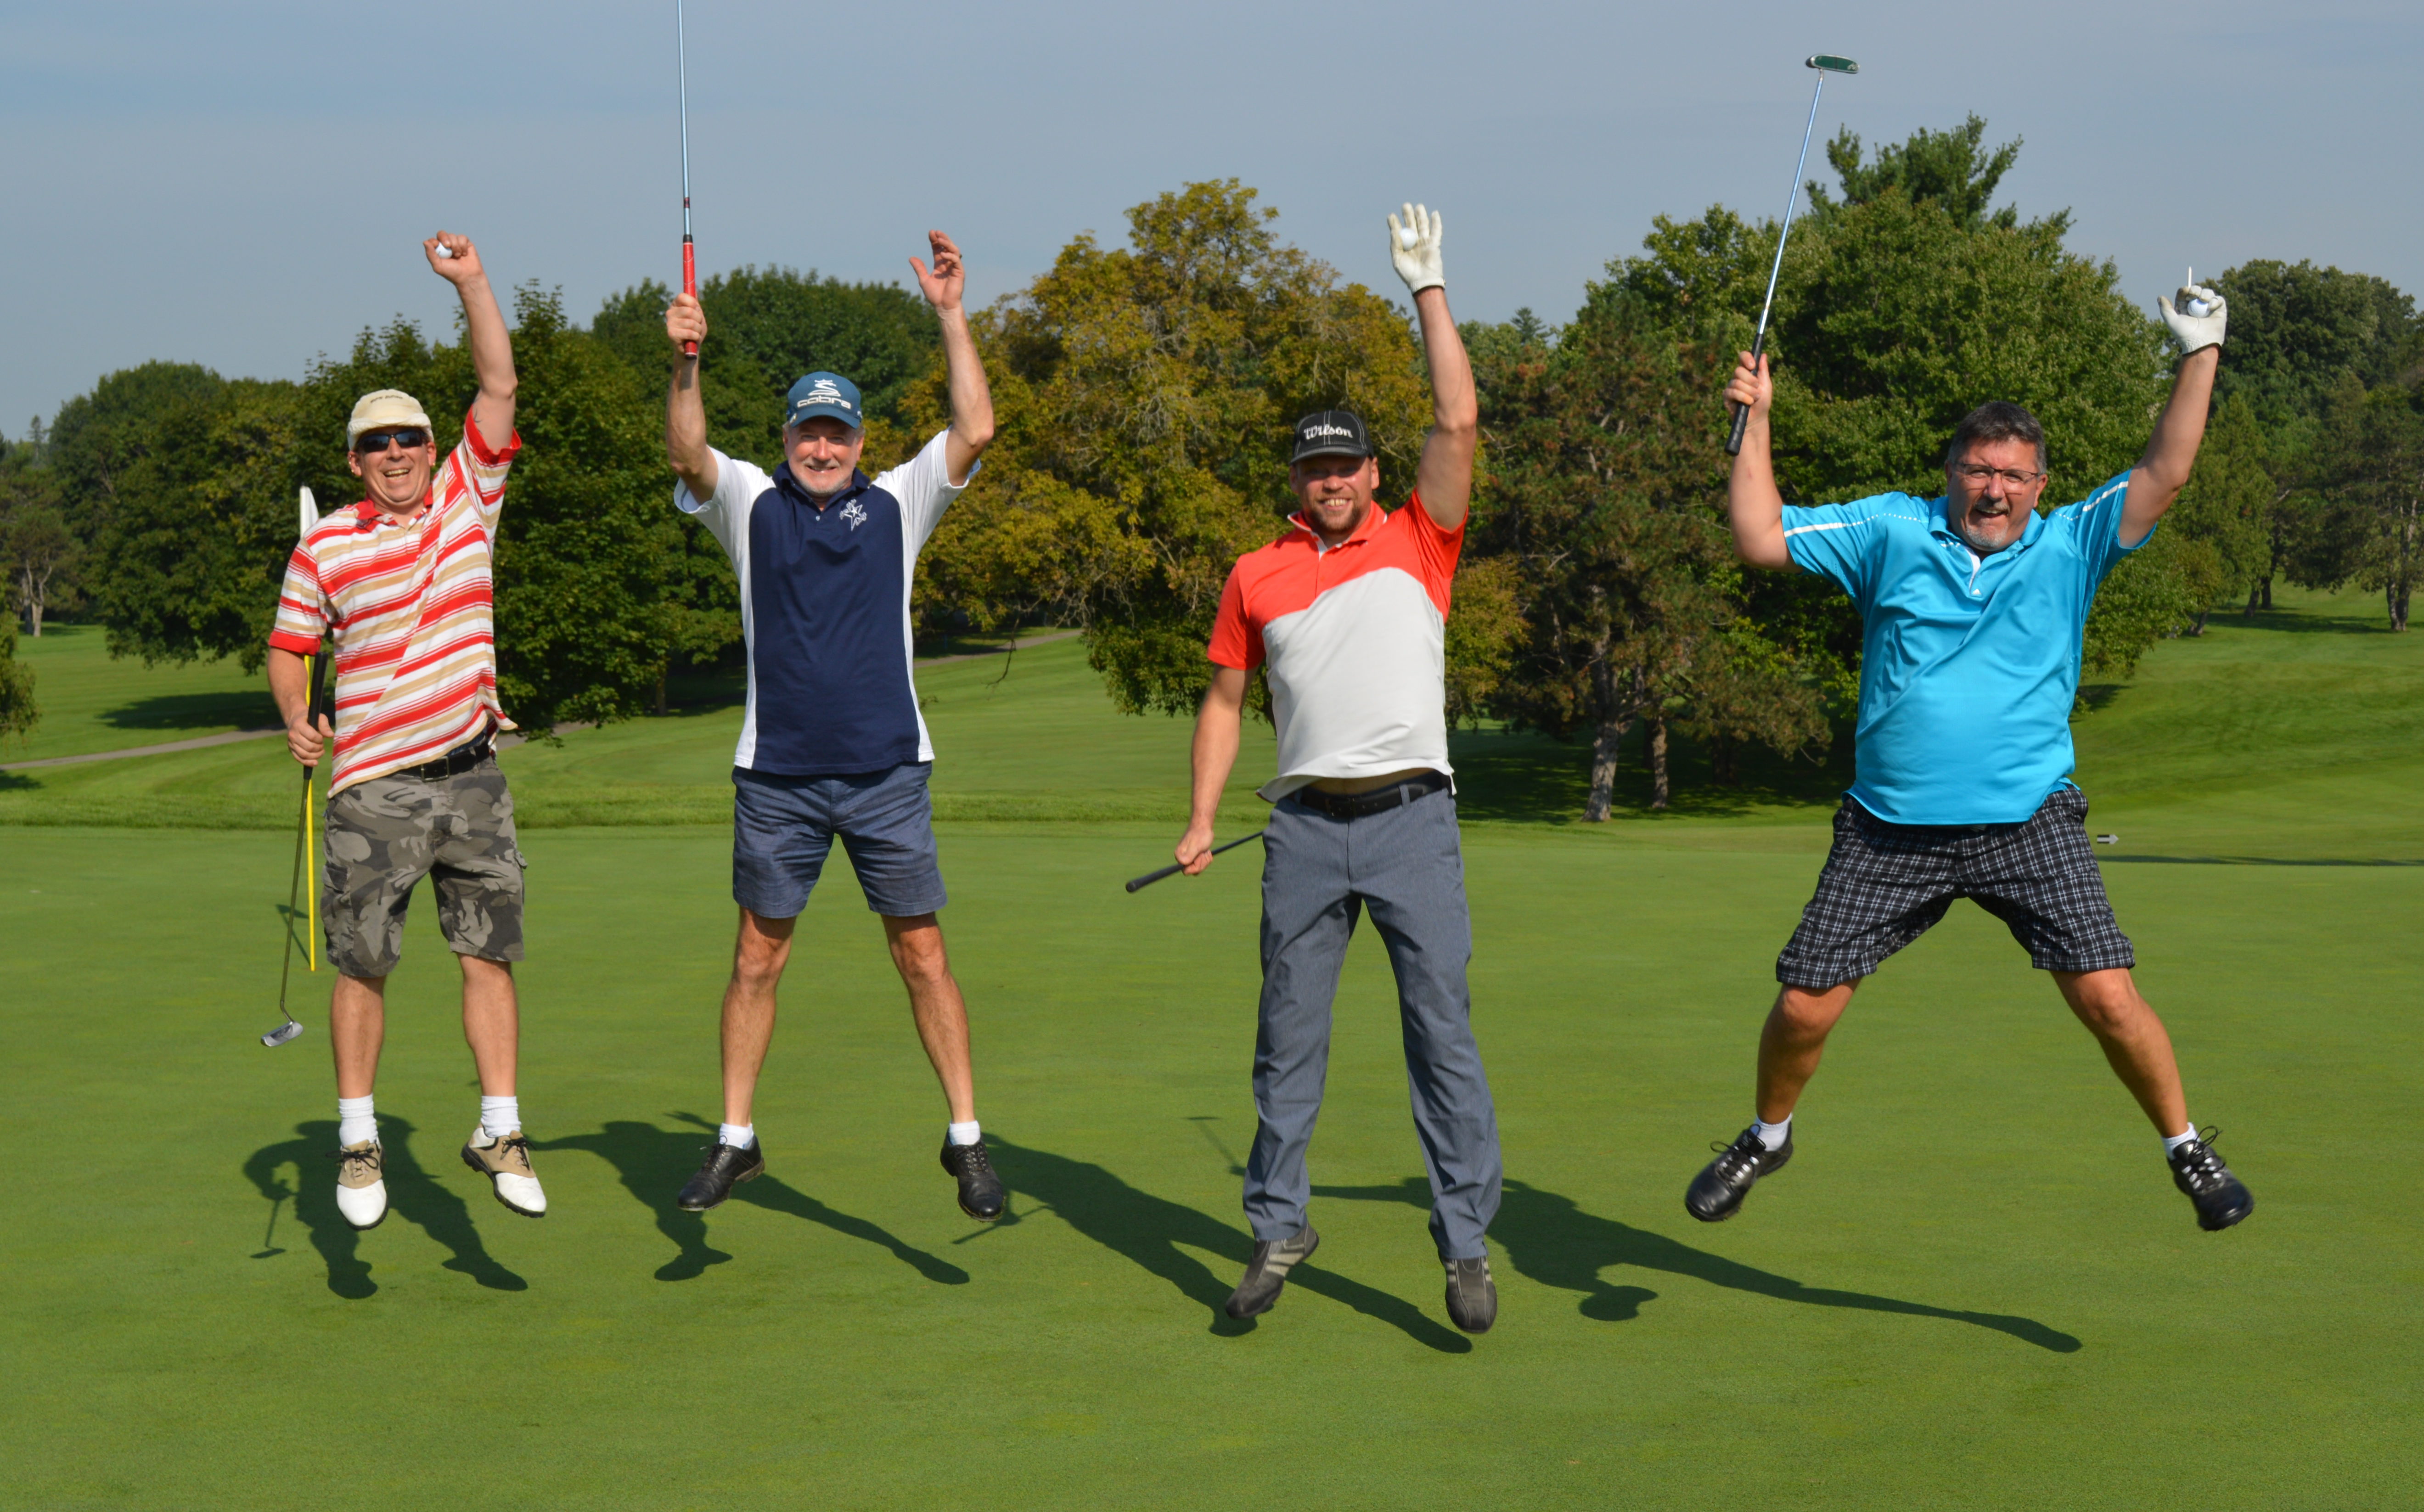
(1968, 663)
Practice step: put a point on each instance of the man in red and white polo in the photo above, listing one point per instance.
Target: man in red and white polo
(1347, 615)
(400, 585)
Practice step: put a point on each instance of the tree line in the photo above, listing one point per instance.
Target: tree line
(1144, 393)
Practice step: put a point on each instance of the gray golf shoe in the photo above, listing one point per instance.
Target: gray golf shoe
(1266, 1273)
(1471, 1295)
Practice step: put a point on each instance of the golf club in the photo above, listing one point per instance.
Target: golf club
(1152, 876)
(681, 80)
(1824, 63)
(309, 514)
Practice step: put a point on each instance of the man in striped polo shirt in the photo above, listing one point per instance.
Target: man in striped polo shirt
(399, 583)
(832, 745)
(1347, 615)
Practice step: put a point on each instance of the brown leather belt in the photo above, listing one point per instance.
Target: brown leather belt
(1378, 801)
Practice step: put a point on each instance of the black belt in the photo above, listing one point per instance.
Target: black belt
(1378, 801)
(456, 762)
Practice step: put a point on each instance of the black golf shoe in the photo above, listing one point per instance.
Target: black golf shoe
(1717, 1193)
(979, 1188)
(1266, 1273)
(2221, 1197)
(716, 1175)
(1471, 1295)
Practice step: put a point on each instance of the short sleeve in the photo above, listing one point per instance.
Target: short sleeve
(2095, 522)
(1842, 543)
(1437, 549)
(1236, 642)
(736, 484)
(302, 607)
(480, 469)
(924, 488)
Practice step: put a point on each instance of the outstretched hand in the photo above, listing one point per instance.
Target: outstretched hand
(454, 258)
(942, 287)
(2198, 320)
(1414, 249)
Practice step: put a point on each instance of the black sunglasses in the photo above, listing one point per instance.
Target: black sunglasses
(371, 443)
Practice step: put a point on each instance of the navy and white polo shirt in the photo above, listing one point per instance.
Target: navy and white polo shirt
(824, 609)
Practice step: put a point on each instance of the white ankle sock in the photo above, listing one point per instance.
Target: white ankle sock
(968, 1133)
(739, 1136)
(355, 1121)
(500, 1115)
(2174, 1141)
(1773, 1135)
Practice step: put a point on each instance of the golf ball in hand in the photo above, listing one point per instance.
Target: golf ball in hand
(1405, 237)
(2198, 307)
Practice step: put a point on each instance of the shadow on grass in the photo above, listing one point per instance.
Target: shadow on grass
(1551, 1241)
(1155, 1234)
(653, 1163)
(412, 1194)
(11, 782)
(249, 709)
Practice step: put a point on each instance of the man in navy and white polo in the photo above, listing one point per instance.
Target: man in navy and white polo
(1973, 605)
(832, 744)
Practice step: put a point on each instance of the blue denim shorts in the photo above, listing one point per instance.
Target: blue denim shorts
(784, 827)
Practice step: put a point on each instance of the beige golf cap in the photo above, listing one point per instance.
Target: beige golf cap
(381, 407)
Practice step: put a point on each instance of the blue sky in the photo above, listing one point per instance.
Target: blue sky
(245, 184)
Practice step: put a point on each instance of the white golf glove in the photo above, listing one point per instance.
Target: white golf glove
(1414, 249)
(2195, 331)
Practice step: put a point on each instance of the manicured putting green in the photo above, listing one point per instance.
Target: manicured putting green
(1974, 1288)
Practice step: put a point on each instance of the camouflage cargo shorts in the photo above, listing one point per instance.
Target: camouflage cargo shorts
(387, 833)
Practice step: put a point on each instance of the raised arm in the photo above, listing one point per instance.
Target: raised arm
(1753, 506)
(1443, 479)
(457, 262)
(2171, 454)
(685, 416)
(971, 399)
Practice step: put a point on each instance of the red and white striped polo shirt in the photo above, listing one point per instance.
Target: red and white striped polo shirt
(408, 604)
(1356, 639)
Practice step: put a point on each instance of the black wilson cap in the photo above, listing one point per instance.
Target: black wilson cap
(1332, 433)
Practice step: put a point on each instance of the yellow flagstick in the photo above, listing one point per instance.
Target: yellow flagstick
(312, 940)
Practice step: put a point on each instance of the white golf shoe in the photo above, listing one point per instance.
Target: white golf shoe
(506, 1162)
(362, 1184)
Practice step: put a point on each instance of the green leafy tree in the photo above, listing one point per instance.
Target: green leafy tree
(2297, 332)
(2227, 506)
(19, 713)
(38, 553)
(1145, 394)
(1607, 467)
(2369, 472)
(1949, 169)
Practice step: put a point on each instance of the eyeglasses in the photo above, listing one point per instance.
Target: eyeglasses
(1978, 472)
(371, 443)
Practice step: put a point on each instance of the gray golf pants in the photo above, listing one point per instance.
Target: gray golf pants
(1319, 873)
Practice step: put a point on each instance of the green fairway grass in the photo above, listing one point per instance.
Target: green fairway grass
(1975, 1287)
(90, 702)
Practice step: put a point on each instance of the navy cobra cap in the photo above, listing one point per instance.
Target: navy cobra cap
(827, 394)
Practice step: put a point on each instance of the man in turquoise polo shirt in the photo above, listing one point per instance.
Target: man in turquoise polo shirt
(1973, 605)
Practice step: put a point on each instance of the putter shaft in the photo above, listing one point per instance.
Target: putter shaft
(1792, 196)
(1152, 876)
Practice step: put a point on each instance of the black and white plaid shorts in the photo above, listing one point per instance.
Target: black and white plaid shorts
(1886, 884)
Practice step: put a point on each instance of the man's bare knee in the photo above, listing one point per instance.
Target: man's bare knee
(2106, 1001)
(917, 950)
(760, 950)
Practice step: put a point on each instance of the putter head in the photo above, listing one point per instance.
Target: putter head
(1829, 63)
(281, 1034)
